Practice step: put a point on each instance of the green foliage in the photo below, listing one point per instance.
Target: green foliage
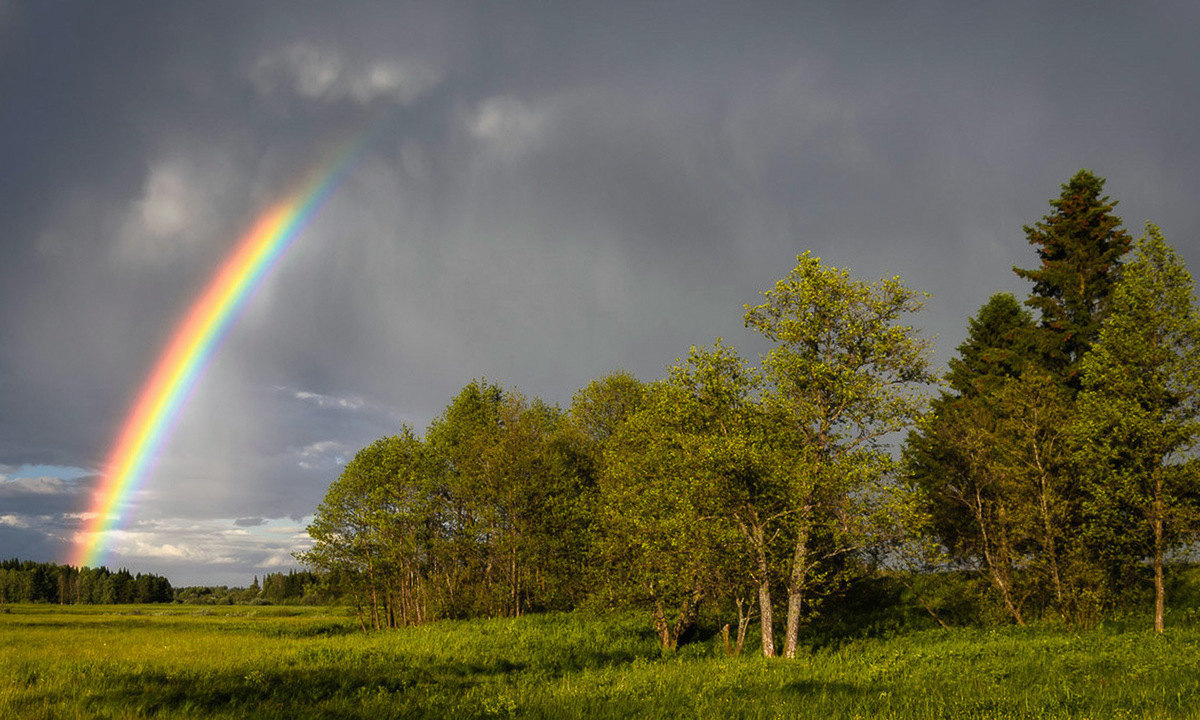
(1139, 414)
(993, 454)
(666, 534)
(944, 454)
(1080, 244)
(24, 581)
(486, 515)
(999, 346)
(845, 372)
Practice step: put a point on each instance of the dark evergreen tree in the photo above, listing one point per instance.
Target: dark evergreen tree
(949, 455)
(998, 347)
(1080, 243)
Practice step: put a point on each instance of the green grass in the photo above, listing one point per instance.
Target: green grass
(233, 662)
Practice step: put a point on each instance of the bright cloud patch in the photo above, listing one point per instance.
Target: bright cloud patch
(505, 124)
(314, 73)
(177, 209)
(15, 521)
(260, 543)
(348, 402)
(33, 486)
(322, 453)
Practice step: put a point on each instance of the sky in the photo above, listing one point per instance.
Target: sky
(550, 192)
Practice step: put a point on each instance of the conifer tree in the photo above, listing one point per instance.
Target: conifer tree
(1080, 244)
(951, 455)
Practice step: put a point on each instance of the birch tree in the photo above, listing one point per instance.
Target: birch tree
(844, 373)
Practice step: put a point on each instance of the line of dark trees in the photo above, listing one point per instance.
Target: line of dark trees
(24, 581)
(295, 587)
(1054, 461)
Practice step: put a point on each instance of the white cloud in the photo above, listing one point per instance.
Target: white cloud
(15, 521)
(278, 559)
(314, 73)
(348, 402)
(506, 124)
(177, 211)
(402, 81)
(321, 453)
(208, 542)
(34, 486)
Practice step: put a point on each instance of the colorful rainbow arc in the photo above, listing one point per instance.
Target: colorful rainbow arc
(191, 347)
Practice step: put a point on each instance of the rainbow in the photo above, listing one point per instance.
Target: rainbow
(182, 362)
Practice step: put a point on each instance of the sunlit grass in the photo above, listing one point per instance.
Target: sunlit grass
(178, 662)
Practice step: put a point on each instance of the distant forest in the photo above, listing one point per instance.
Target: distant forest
(1049, 474)
(24, 581)
(33, 582)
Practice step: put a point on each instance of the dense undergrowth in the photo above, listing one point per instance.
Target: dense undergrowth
(179, 662)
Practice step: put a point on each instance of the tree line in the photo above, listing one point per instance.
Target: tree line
(24, 581)
(1054, 459)
(278, 588)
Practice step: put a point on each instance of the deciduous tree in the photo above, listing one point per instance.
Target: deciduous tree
(1139, 414)
(845, 372)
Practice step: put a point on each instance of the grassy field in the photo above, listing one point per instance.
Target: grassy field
(235, 662)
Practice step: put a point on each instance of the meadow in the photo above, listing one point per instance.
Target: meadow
(178, 661)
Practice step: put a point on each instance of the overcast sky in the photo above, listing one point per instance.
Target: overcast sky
(551, 194)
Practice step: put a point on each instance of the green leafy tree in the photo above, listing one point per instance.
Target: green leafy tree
(365, 529)
(600, 407)
(516, 500)
(844, 373)
(460, 441)
(1028, 455)
(1080, 244)
(665, 533)
(1139, 415)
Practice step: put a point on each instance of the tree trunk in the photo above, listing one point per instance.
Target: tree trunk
(1000, 575)
(1160, 591)
(744, 618)
(796, 582)
(1050, 544)
(765, 611)
(374, 591)
(662, 626)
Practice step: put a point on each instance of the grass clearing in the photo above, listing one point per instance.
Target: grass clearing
(183, 662)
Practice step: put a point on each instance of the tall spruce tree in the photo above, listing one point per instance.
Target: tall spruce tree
(1080, 244)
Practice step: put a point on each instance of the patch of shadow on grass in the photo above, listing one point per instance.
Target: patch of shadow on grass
(432, 689)
(813, 688)
(311, 631)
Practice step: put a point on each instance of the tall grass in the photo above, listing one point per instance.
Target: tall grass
(120, 662)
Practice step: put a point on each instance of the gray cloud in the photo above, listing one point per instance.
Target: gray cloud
(550, 193)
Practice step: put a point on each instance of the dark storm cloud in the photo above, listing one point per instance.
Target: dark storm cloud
(552, 192)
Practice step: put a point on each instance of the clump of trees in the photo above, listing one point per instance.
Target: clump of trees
(295, 587)
(486, 515)
(723, 482)
(33, 582)
(1056, 463)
